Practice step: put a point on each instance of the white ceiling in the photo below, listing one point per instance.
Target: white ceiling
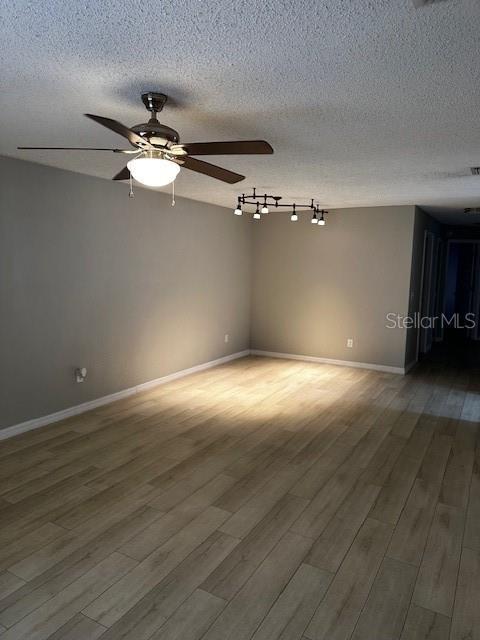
(366, 102)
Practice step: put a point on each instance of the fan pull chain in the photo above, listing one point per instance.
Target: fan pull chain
(130, 193)
(173, 193)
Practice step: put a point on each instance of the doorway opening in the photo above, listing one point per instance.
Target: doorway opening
(461, 305)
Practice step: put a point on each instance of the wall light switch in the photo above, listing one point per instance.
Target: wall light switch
(350, 343)
(227, 337)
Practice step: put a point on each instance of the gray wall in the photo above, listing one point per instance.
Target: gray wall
(133, 289)
(423, 222)
(315, 287)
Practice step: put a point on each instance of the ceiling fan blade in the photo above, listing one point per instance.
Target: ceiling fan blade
(124, 174)
(81, 149)
(210, 170)
(225, 148)
(122, 130)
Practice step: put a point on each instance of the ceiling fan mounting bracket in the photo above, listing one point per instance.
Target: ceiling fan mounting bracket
(153, 101)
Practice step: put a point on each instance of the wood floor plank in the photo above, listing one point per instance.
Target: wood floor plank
(23, 517)
(437, 577)
(53, 614)
(121, 597)
(9, 583)
(314, 519)
(87, 553)
(319, 474)
(79, 628)
(466, 613)
(340, 609)
(250, 604)
(95, 503)
(19, 549)
(33, 472)
(184, 495)
(58, 475)
(472, 525)
(386, 608)
(245, 488)
(410, 535)
(243, 521)
(381, 464)
(332, 545)
(292, 611)
(192, 619)
(233, 572)
(422, 624)
(456, 482)
(41, 438)
(23, 460)
(69, 543)
(152, 537)
(161, 602)
(393, 495)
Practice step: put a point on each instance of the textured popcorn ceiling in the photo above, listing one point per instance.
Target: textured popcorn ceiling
(366, 102)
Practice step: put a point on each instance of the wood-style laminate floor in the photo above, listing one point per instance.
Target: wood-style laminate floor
(263, 499)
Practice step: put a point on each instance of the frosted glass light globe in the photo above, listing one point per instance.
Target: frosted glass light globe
(152, 171)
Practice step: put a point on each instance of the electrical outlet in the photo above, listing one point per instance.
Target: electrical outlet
(80, 374)
(350, 343)
(227, 337)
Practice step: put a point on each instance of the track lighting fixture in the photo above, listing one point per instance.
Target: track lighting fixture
(270, 201)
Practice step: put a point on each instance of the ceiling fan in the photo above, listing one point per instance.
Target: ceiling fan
(159, 154)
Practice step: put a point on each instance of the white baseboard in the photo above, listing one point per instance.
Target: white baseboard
(36, 423)
(29, 425)
(341, 363)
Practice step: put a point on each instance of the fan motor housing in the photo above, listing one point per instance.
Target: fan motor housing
(157, 134)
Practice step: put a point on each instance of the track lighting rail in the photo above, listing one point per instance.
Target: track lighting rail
(262, 202)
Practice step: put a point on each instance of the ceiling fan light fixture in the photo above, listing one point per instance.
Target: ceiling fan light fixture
(152, 170)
